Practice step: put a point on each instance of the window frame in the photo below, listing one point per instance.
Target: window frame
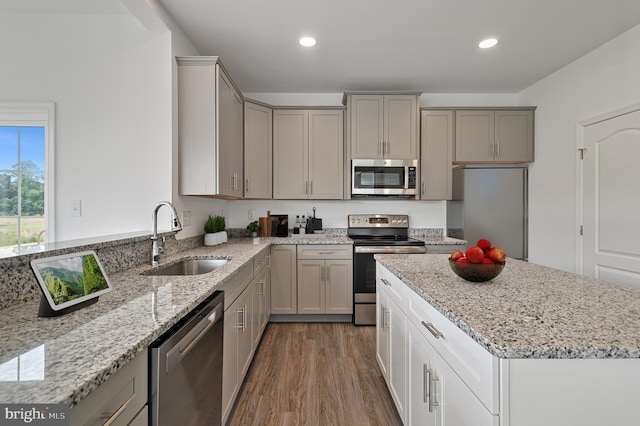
(40, 114)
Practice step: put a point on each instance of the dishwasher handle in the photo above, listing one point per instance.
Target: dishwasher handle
(182, 348)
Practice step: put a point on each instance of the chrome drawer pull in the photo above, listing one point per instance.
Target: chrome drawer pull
(111, 417)
(385, 282)
(436, 333)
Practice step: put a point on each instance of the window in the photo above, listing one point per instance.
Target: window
(26, 175)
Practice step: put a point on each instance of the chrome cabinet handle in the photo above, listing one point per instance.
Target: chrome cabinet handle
(491, 150)
(426, 379)
(310, 187)
(241, 314)
(246, 185)
(111, 417)
(385, 282)
(498, 149)
(432, 400)
(436, 333)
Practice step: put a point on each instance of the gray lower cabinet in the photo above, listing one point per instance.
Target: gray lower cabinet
(245, 316)
(325, 279)
(284, 292)
(121, 400)
(312, 279)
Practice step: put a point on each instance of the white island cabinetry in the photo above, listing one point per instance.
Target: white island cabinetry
(455, 376)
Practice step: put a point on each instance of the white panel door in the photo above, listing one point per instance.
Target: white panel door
(611, 200)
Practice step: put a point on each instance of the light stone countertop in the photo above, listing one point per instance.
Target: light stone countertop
(529, 310)
(63, 359)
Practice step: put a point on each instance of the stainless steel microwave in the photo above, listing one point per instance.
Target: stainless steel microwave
(383, 178)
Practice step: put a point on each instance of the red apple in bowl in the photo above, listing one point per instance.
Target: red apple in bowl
(496, 254)
(484, 244)
(475, 254)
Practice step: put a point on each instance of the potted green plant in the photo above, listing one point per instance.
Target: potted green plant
(254, 227)
(214, 231)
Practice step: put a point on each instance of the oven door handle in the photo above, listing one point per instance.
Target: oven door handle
(390, 249)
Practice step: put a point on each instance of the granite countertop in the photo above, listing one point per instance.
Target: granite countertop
(529, 310)
(63, 359)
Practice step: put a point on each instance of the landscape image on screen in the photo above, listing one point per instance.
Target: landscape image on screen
(69, 279)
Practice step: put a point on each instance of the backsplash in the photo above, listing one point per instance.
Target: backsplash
(18, 283)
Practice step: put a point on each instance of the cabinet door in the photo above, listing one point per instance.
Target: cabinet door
(457, 404)
(400, 127)
(245, 313)
(236, 149)
(225, 173)
(284, 298)
(474, 136)
(258, 157)
(326, 147)
(382, 331)
(230, 383)
(514, 136)
(290, 154)
(436, 155)
(367, 126)
(339, 286)
(311, 287)
(397, 362)
(259, 306)
(421, 397)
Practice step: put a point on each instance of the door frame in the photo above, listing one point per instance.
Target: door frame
(580, 126)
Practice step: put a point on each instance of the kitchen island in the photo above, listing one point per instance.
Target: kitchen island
(535, 345)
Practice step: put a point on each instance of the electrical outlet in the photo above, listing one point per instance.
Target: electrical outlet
(252, 215)
(186, 218)
(76, 208)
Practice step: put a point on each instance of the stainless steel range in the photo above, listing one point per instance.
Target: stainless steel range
(371, 234)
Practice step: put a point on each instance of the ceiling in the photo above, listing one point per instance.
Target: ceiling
(410, 45)
(415, 45)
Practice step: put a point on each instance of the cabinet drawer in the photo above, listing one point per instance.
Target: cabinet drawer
(118, 400)
(236, 284)
(313, 251)
(391, 285)
(477, 368)
(260, 262)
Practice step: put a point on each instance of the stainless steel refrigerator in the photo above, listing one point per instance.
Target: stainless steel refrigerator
(490, 202)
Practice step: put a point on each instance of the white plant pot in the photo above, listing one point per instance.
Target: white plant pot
(210, 239)
(224, 236)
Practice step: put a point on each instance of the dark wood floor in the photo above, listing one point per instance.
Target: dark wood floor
(315, 374)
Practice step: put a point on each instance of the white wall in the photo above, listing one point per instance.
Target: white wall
(198, 207)
(110, 80)
(606, 79)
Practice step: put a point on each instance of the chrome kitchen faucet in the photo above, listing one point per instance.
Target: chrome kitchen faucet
(175, 227)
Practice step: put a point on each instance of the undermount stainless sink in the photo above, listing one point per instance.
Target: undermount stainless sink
(189, 267)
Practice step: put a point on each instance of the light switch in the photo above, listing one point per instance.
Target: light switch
(76, 208)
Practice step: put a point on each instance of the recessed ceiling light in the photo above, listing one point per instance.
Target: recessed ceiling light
(490, 42)
(307, 41)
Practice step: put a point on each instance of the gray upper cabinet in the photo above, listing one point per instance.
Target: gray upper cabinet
(258, 170)
(494, 136)
(383, 126)
(308, 154)
(436, 154)
(210, 119)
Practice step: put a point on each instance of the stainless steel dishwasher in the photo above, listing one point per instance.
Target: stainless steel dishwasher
(186, 368)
